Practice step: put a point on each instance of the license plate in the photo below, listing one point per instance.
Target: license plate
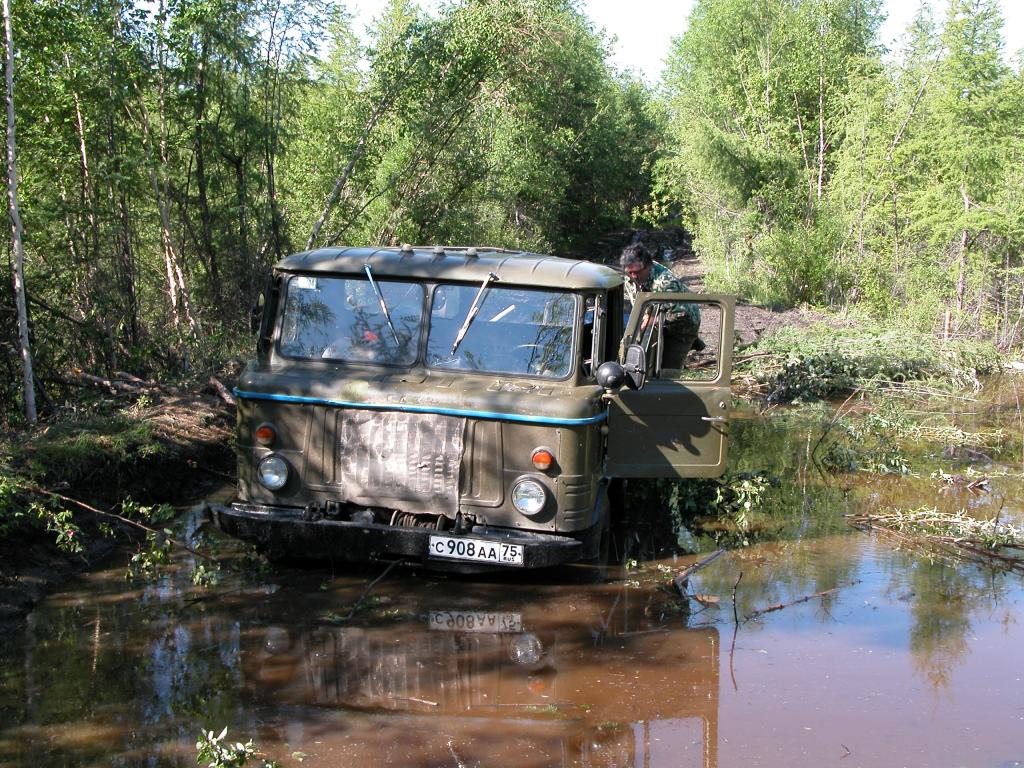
(476, 621)
(475, 550)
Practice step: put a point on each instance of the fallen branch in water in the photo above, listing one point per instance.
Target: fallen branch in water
(989, 542)
(39, 491)
(735, 631)
(682, 579)
(804, 599)
(369, 588)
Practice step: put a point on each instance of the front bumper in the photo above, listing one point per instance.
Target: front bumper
(282, 531)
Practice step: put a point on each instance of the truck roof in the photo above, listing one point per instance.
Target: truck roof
(465, 264)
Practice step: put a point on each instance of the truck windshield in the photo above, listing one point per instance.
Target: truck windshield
(338, 318)
(516, 331)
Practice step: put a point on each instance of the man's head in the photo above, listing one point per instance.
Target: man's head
(636, 262)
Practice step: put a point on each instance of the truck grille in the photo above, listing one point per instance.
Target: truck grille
(409, 459)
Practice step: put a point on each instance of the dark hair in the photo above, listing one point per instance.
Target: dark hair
(635, 252)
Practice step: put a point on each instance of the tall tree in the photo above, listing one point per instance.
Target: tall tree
(16, 227)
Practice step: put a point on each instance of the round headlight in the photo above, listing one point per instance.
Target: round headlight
(528, 497)
(272, 472)
(526, 649)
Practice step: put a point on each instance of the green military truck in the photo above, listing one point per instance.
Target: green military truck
(464, 408)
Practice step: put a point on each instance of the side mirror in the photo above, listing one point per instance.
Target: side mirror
(635, 366)
(256, 313)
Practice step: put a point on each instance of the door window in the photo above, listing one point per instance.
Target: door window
(682, 340)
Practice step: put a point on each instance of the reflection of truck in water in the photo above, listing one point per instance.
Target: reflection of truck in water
(591, 677)
(463, 408)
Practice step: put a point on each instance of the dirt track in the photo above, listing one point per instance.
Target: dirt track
(751, 321)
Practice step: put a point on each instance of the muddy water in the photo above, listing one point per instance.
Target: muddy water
(902, 659)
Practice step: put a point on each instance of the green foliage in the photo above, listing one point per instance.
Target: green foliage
(150, 514)
(11, 509)
(22, 510)
(798, 264)
(870, 442)
(728, 505)
(218, 753)
(810, 170)
(145, 563)
(823, 362)
(207, 574)
(756, 97)
(59, 523)
(495, 122)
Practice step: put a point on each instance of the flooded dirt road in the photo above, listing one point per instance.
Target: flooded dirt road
(900, 658)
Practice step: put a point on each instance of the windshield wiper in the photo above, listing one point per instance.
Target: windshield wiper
(473, 310)
(383, 304)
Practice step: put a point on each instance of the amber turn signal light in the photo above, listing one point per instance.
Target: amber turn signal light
(542, 459)
(265, 434)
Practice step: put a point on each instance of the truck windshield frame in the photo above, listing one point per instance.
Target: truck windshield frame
(518, 331)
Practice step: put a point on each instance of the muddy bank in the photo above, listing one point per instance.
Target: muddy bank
(186, 449)
(34, 566)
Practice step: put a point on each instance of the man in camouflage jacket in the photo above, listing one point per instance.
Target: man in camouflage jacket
(682, 320)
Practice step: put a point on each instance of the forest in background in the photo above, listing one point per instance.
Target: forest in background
(169, 152)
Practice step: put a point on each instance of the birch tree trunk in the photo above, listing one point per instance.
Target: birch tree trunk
(339, 185)
(177, 289)
(16, 228)
(961, 280)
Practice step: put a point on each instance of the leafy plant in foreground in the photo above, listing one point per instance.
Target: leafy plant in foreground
(221, 754)
(20, 509)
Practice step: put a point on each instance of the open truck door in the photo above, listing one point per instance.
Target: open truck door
(672, 419)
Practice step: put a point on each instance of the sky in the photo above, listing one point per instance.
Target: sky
(644, 28)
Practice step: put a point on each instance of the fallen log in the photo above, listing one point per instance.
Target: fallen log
(113, 385)
(224, 392)
(131, 378)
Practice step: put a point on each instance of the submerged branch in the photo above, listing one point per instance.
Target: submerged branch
(369, 588)
(681, 579)
(804, 599)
